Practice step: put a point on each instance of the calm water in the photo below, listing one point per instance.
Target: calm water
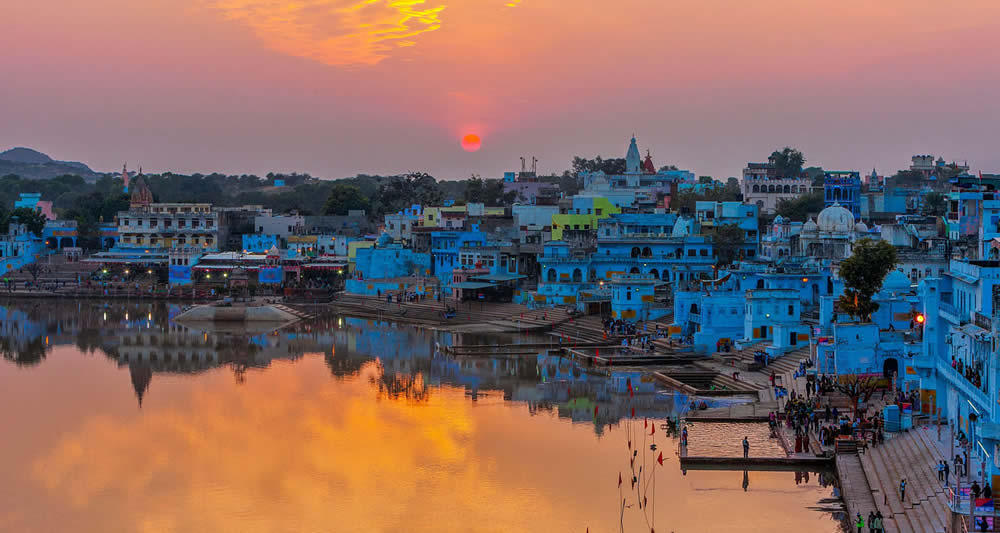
(115, 419)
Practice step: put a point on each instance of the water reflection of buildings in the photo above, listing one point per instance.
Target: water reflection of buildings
(142, 337)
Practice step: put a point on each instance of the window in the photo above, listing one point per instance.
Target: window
(599, 210)
(791, 309)
(628, 293)
(691, 252)
(181, 223)
(195, 223)
(153, 223)
(703, 252)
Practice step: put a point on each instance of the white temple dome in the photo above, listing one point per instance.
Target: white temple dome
(861, 227)
(835, 219)
(810, 227)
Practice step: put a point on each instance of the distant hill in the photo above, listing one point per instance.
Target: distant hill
(32, 164)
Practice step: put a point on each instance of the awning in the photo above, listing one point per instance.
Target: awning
(499, 277)
(473, 285)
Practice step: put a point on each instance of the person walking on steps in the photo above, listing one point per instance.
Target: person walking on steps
(871, 522)
(940, 469)
(860, 522)
(902, 490)
(878, 522)
(746, 448)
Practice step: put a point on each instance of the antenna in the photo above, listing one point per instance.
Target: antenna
(534, 164)
(523, 169)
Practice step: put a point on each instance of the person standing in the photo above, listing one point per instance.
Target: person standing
(987, 490)
(871, 522)
(860, 522)
(746, 447)
(878, 522)
(940, 469)
(947, 470)
(902, 490)
(976, 490)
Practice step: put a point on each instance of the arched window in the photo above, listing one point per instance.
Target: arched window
(634, 270)
(787, 189)
(551, 276)
(679, 253)
(760, 284)
(647, 252)
(770, 188)
(756, 188)
(694, 308)
(655, 273)
(635, 252)
(577, 275)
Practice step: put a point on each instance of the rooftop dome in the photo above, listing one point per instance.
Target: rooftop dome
(861, 227)
(779, 219)
(835, 219)
(895, 282)
(810, 227)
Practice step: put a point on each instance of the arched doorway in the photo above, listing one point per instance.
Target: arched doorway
(647, 252)
(577, 275)
(890, 367)
(635, 252)
(655, 273)
(66, 242)
(634, 270)
(760, 284)
(551, 276)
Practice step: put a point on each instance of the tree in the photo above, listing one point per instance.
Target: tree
(399, 192)
(935, 204)
(488, 191)
(727, 241)
(33, 220)
(667, 168)
(705, 179)
(801, 207)
(33, 269)
(608, 166)
(909, 177)
(863, 274)
(788, 162)
(345, 198)
(857, 389)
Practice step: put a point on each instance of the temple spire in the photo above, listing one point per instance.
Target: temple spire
(632, 158)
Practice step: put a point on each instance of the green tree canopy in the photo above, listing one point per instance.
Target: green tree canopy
(488, 191)
(863, 274)
(726, 241)
(608, 166)
(34, 221)
(788, 162)
(935, 204)
(801, 207)
(345, 198)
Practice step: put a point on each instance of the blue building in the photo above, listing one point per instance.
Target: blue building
(446, 247)
(258, 243)
(843, 188)
(390, 261)
(18, 247)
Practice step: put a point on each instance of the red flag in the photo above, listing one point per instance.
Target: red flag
(630, 444)
(660, 459)
(645, 423)
(652, 430)
(619, 479)
(595, 410)
(633, 412)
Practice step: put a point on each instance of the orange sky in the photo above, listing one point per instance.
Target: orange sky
(336, 87)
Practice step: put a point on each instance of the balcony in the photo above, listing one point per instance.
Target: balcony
(963, 385)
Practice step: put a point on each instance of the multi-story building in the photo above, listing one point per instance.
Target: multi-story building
(18, 247)
(843, 188)
(763, 187)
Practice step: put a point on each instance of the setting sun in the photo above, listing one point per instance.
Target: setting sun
(471, 142)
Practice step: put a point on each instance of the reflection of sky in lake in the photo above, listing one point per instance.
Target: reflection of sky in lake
(334, 425)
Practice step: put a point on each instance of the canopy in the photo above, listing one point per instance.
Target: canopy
(471, 285)
(499, 277)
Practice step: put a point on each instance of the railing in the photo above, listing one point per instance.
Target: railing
(964, 385)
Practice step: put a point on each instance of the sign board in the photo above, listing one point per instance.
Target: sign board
(271, 274)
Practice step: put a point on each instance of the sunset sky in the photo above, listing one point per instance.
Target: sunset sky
(338, 87)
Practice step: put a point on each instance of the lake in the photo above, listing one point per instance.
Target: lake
(117, 419)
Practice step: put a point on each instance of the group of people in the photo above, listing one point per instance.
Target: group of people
(874, 522)
(973, 374)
